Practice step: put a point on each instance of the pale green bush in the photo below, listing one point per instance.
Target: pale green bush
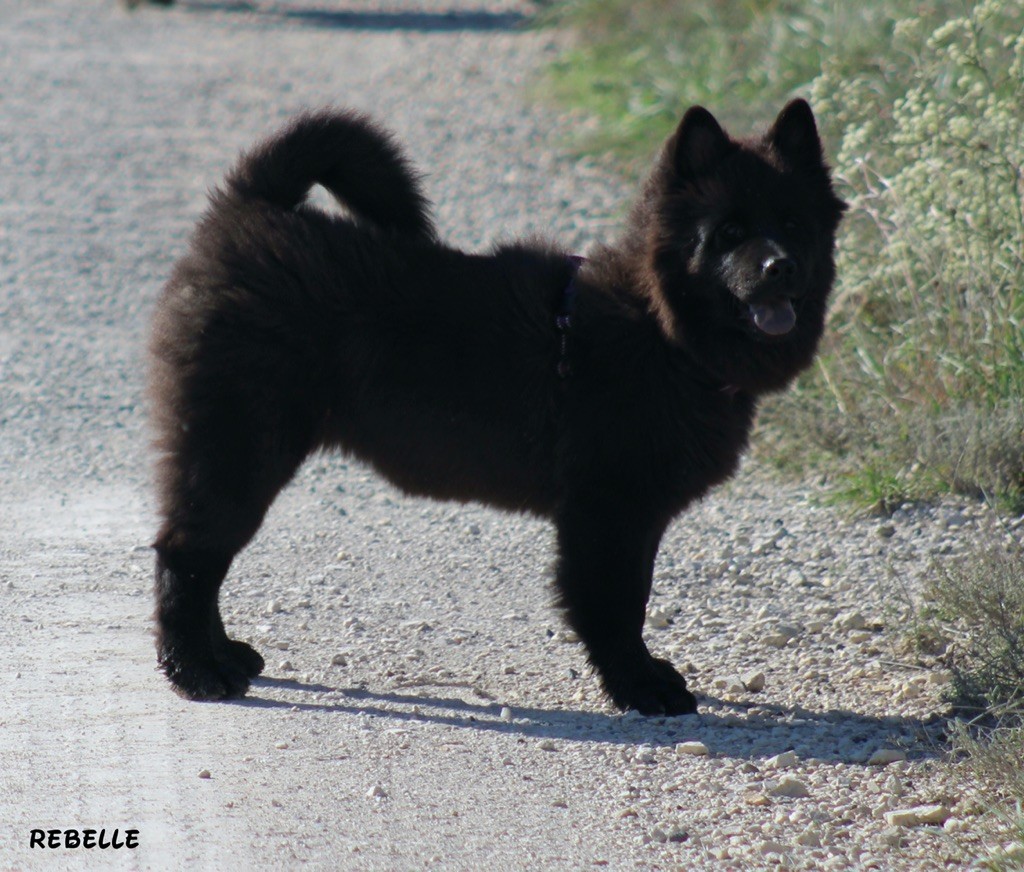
(921, 386)
(929, 316)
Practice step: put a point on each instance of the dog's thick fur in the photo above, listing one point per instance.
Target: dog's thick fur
(286, 329)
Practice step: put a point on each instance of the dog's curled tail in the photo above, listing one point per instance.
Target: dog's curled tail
(353, 158)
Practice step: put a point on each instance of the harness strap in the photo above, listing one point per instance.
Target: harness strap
(563, 320)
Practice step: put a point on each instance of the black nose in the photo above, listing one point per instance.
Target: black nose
(778, 269)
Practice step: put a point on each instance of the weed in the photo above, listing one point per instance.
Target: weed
(980, 602)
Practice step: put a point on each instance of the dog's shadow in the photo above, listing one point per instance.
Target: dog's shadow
(443, 21)
(838, 736)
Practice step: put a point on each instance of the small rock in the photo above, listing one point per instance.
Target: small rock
(286, 666)
(547, 745)
(204, 773)
(280, 745)
(952, 519)
(756, 798)
(921, 814)
(376, 792)
(851, 621)
(678, 835)
(771, 847)
(791, 787)
(658, 619)
(908, 691)
(645, 754)
(885, 531)
(506, 714)
(785, 760)
(694, 749)
(892, 837)
(776, 640)
(809, 838)
(420, 627)
(894, 786)
(339, 660)
(273, 607)
(754, 682)
(885, 756)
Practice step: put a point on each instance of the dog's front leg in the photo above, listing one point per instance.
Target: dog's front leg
(605, 564)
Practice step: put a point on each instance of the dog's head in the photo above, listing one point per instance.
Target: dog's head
(739, 238)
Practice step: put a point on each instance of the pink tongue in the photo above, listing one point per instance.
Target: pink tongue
(776, 318)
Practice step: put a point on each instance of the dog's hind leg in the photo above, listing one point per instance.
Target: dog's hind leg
(218, 481)
(605, 566)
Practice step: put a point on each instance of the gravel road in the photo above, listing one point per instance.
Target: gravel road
(423, 706)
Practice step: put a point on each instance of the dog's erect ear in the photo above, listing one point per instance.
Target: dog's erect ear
(794, 135)
(699, 143)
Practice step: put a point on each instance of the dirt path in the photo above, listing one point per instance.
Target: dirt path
(423, 706)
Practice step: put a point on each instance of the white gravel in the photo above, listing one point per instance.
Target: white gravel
(424, 706)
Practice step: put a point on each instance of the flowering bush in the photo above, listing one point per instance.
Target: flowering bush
(932, 266)
(926, 367)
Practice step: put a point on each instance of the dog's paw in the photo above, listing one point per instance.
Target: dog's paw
(652, 687)
(204, 679)
(242, 657)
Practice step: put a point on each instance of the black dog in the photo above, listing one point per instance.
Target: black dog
(605, 396)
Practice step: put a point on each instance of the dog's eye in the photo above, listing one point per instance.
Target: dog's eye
(731, 232)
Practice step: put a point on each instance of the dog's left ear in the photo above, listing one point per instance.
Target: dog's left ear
(794, 135)
(698, 143)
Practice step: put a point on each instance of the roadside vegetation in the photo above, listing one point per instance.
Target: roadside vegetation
(973, 615)
(919, 390)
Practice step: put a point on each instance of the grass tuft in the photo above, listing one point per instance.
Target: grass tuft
(979, 604)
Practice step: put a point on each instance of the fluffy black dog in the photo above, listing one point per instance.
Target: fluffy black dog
(605, 396)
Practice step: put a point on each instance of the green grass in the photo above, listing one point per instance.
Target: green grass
(637, 66)
(920, 387)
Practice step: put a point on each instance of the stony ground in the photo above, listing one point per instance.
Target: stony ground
(423, 705)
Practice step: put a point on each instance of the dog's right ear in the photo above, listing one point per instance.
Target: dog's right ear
(698, 143)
